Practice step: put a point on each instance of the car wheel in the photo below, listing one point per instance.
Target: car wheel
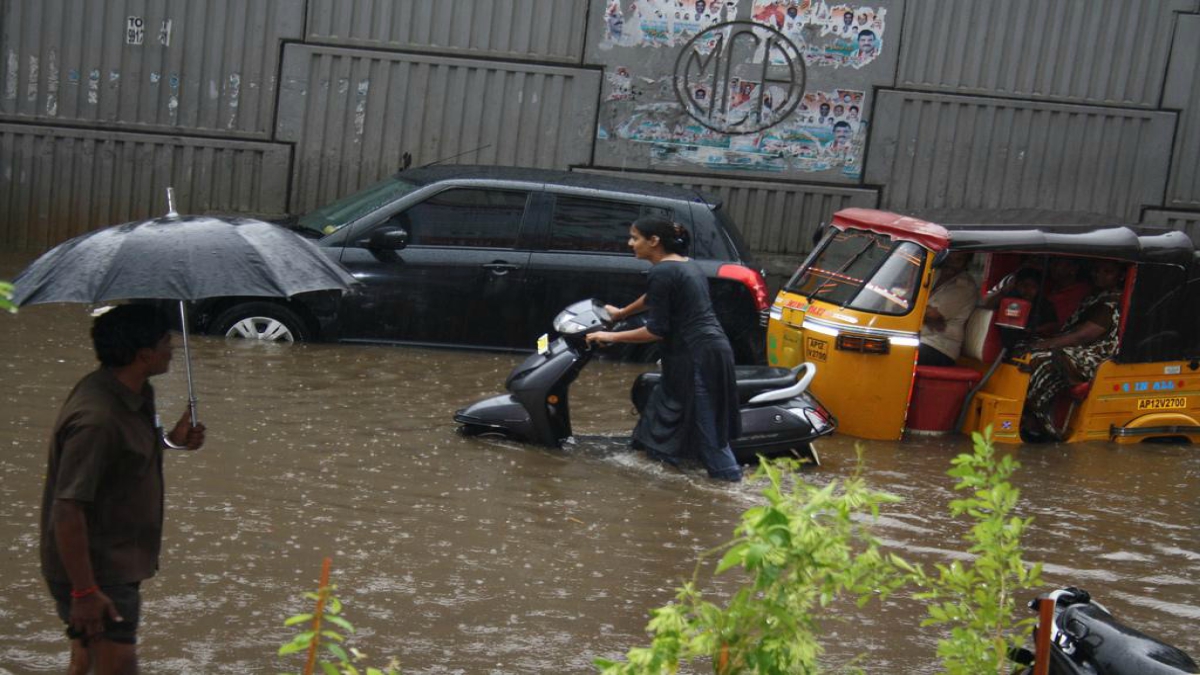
(260, 321)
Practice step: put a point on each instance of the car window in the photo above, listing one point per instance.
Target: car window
(332, 217)
(466, 217)
(595, 225)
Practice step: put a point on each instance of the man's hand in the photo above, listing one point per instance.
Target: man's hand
(934, 319)
(88, 614)
(185, 434)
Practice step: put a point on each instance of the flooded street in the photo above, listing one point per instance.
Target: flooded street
(463, 555)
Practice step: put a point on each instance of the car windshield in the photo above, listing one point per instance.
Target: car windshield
(863, 271)
(331, 217)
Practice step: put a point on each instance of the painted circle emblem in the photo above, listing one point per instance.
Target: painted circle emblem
(739, 77)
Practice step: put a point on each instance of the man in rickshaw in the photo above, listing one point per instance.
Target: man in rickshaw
(950, 305)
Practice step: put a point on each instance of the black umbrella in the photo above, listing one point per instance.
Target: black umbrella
(179, 258)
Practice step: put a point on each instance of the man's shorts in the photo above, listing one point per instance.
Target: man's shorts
(126, 597)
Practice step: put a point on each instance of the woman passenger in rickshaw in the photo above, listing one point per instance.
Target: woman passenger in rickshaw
(1071, 357)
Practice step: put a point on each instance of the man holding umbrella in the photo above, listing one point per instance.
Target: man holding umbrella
(102, 507)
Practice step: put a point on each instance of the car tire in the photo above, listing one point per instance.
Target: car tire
(260, 321)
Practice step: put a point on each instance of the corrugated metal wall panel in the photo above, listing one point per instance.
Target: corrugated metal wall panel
(58, 183)
(1183, 93)
(212, 71)
(1111, 52)
(1184, 221)
(541, 30)
(774, 218)
(354, 113)
(970, 154)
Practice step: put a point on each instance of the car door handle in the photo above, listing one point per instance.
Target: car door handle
(500, 268)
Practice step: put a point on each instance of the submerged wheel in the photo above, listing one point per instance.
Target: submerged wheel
(260, 321)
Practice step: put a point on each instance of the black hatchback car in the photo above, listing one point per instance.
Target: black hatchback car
(486, 256)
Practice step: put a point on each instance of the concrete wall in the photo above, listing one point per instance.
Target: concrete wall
(957, 110)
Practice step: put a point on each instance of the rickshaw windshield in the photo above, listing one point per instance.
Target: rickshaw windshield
(862, 271)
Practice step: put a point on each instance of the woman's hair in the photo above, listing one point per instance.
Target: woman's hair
(674, 237)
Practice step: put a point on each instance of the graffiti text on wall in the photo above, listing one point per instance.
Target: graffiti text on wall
(827, 132)
(827, 35)
(717, 87)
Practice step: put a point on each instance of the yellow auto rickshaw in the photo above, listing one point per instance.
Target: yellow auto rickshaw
(856, 305)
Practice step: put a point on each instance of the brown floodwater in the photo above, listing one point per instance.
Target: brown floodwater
(466, 555)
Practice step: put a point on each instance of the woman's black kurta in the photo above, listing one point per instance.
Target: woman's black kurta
(680, 312)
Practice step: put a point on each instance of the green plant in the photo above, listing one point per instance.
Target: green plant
(801, 550)
(317, 638)
(6, 290)
(977, 600)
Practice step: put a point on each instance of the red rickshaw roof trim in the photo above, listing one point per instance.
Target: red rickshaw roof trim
(930, 235)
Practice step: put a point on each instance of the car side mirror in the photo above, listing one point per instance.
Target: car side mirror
(392, 238)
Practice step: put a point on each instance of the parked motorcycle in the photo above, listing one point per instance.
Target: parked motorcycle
(1085, 639)
(778, 415)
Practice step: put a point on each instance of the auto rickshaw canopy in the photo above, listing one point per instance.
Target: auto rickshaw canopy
(1162, 321)
(1129, 243)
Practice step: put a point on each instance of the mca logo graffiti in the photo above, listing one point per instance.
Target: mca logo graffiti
(739, 77)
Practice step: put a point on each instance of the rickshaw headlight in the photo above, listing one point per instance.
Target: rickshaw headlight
(862, 343)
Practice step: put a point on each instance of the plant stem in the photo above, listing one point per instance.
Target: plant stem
(322, 593)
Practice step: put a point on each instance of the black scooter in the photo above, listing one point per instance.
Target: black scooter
(778, 415)
(1086, 640)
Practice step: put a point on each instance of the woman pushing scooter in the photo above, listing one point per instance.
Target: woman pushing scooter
(695, 409)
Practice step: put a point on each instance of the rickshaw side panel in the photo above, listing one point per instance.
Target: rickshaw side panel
(999, 405)
(1130, 403)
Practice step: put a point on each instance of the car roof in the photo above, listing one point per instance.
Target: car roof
(464, 172)
(1123, 242)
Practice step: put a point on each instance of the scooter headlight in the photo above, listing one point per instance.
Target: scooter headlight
(569, 327)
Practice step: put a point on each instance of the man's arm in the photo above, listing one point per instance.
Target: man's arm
(71, 534)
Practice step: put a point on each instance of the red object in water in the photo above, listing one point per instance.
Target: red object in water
(938, 395)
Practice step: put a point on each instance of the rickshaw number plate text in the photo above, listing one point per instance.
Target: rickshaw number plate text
(1161, 403)
(817, 350)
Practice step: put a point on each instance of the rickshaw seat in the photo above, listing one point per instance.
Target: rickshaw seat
(981, 338)
(1080, 391)
(938, 395)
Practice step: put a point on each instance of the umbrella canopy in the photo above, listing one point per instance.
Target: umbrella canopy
(179, 258)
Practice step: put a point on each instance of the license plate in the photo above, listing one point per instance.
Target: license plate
(1162, 403)
(543, 344)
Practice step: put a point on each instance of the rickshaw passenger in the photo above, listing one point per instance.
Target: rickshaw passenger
(1064, 288)
(1072, 357)
(951, 302)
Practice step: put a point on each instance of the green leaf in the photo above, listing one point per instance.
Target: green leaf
(342, 623)
(292, 648)
(329, 668)
(337, 651)
(299, 618)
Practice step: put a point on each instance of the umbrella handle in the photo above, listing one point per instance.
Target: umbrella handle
(187, 360)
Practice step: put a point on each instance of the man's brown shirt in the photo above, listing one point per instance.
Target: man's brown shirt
(106, 454)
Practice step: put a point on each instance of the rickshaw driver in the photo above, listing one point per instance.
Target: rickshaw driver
(1072, 357)
(951, 302)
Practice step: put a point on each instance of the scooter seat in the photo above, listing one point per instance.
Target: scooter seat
(1115, 648)
(751, 380)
